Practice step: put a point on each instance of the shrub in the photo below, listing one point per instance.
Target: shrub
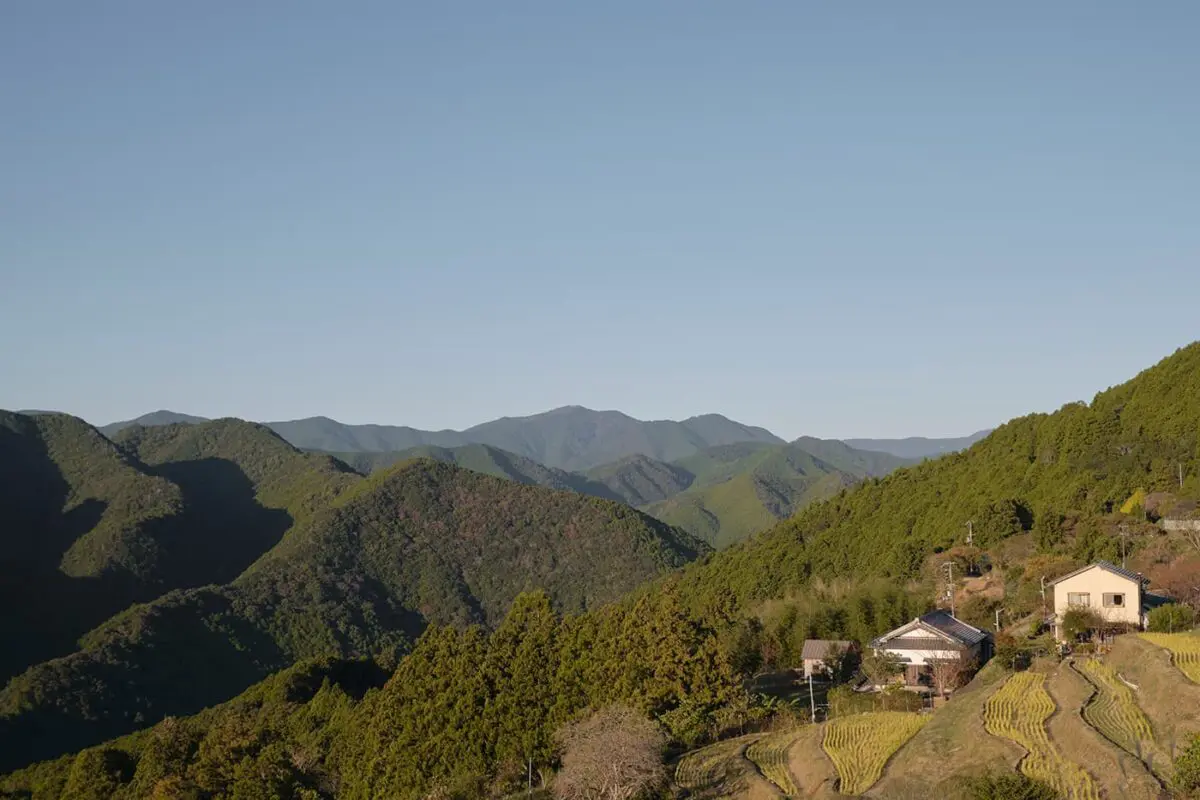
(1005, 786)
(1079, 621)
(1171, 618)
(1187, 769)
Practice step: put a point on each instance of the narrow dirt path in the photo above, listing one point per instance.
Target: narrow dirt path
(1119, 774)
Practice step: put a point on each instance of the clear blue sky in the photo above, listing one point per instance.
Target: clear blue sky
(837, 219)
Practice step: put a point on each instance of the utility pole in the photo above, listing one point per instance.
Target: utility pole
(970, 532)
(529, 779)
(997, 620)
(1181, 475)
(1124, 531)
(1043, 597)
(812, 702)
(950, 585)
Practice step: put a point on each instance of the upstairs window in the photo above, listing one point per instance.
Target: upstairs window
(1114, 600)
(1079, 598)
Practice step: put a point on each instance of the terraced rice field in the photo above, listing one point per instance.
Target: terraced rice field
(1184, 649)
(860, 745)
(1114, 710)
(715, 766)
(1018, 711)
(770, 755)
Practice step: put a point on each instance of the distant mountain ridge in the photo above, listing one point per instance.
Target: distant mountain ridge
(154, 418)
(568, 438)
(571, 438)
(918, 447)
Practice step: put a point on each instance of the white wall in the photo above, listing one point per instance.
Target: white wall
(1097, 582)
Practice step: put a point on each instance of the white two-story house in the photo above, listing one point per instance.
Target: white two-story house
(1116, 594)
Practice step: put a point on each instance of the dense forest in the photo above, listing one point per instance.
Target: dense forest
(292, 556)
(720, 494)
(1050, 489)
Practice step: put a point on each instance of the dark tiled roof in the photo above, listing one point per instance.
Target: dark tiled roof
(941, 622)
(953, 627)
(1105, 565)
(819, 648)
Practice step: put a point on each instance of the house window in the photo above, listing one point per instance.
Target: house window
(1079, 598)
(1114, 600)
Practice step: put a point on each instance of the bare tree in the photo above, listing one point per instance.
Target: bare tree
(1181, 580)
(950, 673)
(615, 754)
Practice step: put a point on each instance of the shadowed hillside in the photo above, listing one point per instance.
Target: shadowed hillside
(92, 526)
(423, 542)
(83, 534)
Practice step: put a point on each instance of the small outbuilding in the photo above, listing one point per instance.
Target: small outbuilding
(816, 653)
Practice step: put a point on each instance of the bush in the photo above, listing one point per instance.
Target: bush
(1006, 786)
(1171, 618)
(1187, 769)
(1079, 621)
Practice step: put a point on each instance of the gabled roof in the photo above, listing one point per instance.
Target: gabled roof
(818, 649)
(1129, 574)
(941, 625)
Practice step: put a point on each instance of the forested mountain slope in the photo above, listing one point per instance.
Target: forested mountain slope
(675, 648)
(81, 534)
(720, 494)
(738, 490)
(90, 526)
(424, 542)
(1028, 475)
(488, 460)
(640, 480)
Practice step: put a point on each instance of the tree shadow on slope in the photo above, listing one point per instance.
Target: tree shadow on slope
(223, 528)
(187, 651)
(43, 612)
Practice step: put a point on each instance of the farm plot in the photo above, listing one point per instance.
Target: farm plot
(770, 755)
(714, 770)
(1184, 649)
(1114, 710)
(1018, 711)
(860, 745)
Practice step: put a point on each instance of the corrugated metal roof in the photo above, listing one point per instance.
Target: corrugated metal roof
(954, 627)
(1105, 565)
(818, 649)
